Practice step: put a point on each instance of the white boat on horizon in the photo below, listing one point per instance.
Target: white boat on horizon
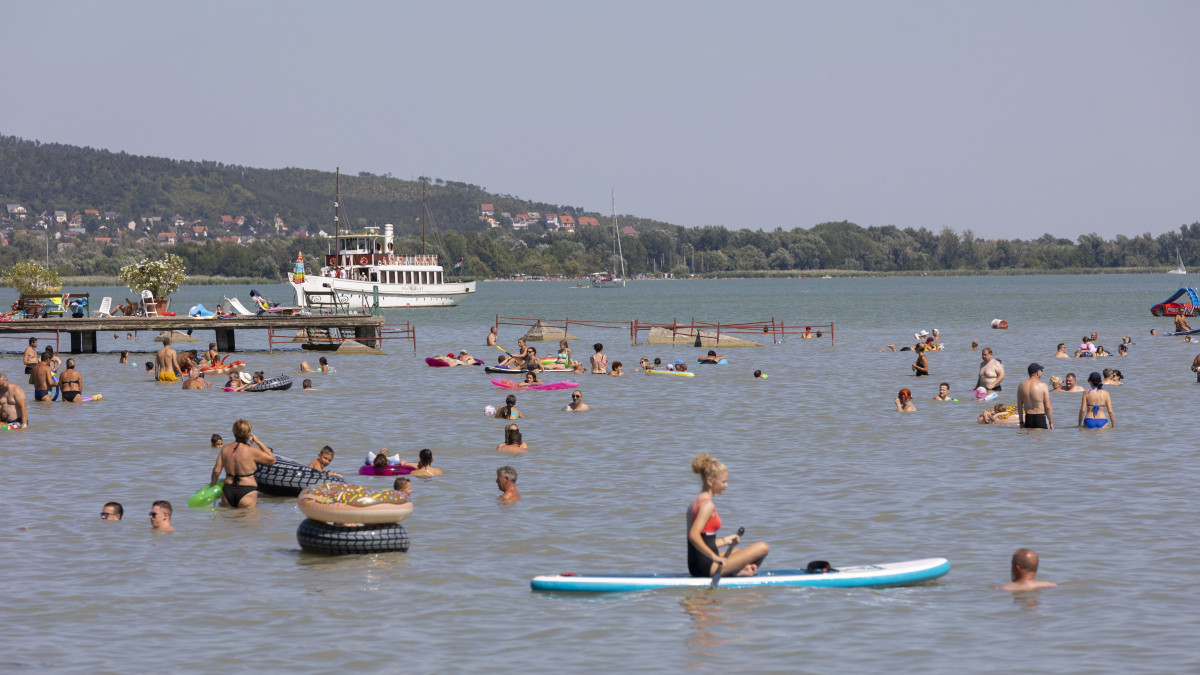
(1179, 269)
(366, 263)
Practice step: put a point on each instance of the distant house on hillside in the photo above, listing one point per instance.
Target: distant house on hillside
(60, 216)
(520, 221)
(588, 221)
(487, 210)
(628, 229)
(102, 240)
(91, 212)
(552, 221)
(567, 222)
(199, 231)
(229, 240)
(110, 215)
(534, 215)
(178, 221)
(166, 237)
(17, 211)
(152, 220)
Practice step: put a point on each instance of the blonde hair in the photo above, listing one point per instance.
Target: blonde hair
(707, 466)
(241, 431)
(1056, 382)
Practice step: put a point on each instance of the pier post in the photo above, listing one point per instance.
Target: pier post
(367, 335)
(83, 342)
(225, 341)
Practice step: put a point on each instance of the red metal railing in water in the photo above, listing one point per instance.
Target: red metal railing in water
(32, 333)
(391, 331)
(777, 330)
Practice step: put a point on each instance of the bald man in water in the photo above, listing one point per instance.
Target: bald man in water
(1024, 573)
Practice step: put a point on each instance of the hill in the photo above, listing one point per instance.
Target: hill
(100, 209)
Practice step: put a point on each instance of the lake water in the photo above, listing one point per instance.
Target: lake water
(821, 466)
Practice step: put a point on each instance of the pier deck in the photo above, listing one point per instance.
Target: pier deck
(366, 328)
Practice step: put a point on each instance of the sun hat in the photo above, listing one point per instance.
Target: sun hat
(679, 362)
(247, 378)
(980, 392)
(921, 335)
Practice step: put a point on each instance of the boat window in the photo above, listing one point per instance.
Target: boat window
(439, 277)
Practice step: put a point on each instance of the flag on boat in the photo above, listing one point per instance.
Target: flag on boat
(458, 263)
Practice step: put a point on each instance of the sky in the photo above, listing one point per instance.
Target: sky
(1009, 119)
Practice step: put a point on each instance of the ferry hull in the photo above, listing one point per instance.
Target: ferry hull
(361, 294)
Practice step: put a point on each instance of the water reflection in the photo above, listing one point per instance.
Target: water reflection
(717, 618)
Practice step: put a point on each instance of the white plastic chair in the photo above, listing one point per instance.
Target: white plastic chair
(105, 308)
(149, 306)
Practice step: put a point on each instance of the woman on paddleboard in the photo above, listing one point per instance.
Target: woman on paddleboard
(704, 555)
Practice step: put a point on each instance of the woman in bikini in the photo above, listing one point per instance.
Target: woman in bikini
(704, 556)
(921, 367)
(239, 460)
(1095, 410)
(530, 380)
(599, 360)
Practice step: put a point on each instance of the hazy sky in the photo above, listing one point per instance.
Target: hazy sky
(1010, 119)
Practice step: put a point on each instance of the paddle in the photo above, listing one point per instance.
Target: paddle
(717, 577)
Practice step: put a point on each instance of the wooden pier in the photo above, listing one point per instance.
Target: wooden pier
(366, 329)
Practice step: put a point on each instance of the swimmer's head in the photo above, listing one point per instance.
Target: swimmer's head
(758, 373)
(904, 394)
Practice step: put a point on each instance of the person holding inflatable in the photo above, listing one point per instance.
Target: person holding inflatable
(239, 460)
(1095, 410)
(704, 557)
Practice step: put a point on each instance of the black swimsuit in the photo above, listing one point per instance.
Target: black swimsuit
(233, 492)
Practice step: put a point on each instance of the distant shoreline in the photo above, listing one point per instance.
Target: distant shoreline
(203, 280)
(845, 274)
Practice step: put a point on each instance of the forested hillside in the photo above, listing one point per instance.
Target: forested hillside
(46, 177)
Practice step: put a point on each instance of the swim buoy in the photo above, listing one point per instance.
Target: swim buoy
(287, 478)
(343, 503)
(315, 536)
(1000, 324)
(363, 260)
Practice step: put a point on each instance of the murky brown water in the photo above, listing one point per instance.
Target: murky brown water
(821, 467)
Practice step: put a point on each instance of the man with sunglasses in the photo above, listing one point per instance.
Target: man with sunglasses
(112, 511)
(160, 516)
(576, 404)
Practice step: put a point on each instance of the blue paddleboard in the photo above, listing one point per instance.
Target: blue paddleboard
(883, 574)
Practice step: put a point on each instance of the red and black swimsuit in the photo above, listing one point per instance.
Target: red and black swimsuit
(699, 564)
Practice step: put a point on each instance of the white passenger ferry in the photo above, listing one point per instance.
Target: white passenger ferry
(366, 262)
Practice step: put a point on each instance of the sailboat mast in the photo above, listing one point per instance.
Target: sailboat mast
(613, 198)
(337, 213)
(424, 216)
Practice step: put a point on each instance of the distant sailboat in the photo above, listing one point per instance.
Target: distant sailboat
(615, 279)
(1180, 269)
